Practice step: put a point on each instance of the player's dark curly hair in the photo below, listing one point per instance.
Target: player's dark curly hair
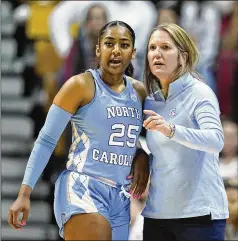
(130, 69)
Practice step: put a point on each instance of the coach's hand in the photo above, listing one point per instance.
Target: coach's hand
(156, 122)
(139, 173)
(21, 205)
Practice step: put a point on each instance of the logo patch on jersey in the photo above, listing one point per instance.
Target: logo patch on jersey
(103, 94)
(134, 97)
(172, 113)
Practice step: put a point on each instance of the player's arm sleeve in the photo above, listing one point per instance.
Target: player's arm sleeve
(56, 121)
(209, 136)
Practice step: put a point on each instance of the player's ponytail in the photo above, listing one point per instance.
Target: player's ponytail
(129, 70)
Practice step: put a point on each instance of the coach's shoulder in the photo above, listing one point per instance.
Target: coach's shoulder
(202, 91)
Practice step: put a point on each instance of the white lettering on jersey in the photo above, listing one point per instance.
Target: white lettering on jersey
(118, 111)
(112, 158)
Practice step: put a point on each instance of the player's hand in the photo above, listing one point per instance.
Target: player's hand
(155, 122)
(140, 172)
(21, 205)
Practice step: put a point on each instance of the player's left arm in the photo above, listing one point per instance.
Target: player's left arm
(140, 166)
(140, 89)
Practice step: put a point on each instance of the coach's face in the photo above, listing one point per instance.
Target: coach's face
(163, 55)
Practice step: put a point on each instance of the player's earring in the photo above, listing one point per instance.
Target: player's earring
(133, 54)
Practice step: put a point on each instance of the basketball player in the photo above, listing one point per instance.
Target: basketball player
(105, 109)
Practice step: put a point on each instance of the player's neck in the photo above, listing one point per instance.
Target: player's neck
(115, 82)
(111, 80)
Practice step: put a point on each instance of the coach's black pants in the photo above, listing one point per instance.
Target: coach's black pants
(196, 228)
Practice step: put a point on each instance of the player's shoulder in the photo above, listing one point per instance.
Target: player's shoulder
(139, 87)
(81, 84)
(83, 77)
(82, 80)
(137, 84)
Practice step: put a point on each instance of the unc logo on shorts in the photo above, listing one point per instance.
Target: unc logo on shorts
(133, 97)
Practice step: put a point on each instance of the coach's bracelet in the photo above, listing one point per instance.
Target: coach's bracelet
(172, 127)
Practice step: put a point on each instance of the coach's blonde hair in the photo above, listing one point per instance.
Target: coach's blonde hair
(185, 45)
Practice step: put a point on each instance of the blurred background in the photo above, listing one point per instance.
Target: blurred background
(46, 42)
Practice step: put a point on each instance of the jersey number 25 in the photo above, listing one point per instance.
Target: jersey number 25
(121, 130)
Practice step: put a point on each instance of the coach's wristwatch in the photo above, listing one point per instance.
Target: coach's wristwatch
(172, 127)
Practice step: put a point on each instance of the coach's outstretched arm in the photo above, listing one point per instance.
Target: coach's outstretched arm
(209, 137)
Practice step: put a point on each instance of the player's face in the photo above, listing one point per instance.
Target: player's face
(115, 50)
(162, 55)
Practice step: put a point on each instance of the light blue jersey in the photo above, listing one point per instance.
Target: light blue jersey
(185, 178)
(105, 133)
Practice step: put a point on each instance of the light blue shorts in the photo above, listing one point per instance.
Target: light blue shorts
(77, 193)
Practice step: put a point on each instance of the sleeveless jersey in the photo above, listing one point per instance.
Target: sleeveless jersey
(105, 133)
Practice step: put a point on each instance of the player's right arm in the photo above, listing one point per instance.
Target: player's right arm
(76, 92)
(71, 96)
